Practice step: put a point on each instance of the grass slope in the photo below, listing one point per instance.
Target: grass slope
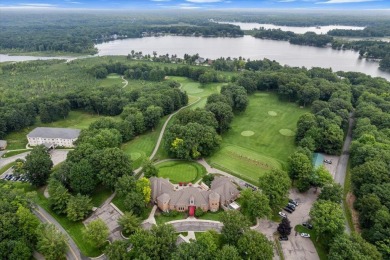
(250, 156)
(181, 171)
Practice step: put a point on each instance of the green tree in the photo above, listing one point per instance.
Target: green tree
(321, 177)
(345, 247)
(111, 164)
(125, 185)
(228, 252)
(275, 184)
(255, 204)
(332, 192)
(134, 201)
(143, 187)
(308, 94)
(254, 245)
(223, 114)
(117, 250)
(18, 168)
(78, 207)
(59, 196)
(100, 138)
(129, 223)
(149, 169)
(284, 227)
(96, 233)
(234, 225)
(301, 169)
(327, 218)
(28, 223)
(152, 116)
(82, 177)
(51, 242)
(158, 243)
(38, 165)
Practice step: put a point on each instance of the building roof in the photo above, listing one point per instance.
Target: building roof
(221, 189)
(53, 132)
(3, 143)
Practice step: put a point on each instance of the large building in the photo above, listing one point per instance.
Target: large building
(164, 194)
(52, 137)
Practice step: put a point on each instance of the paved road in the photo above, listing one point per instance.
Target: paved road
(341, 169)
(73, 253)
(5, 161)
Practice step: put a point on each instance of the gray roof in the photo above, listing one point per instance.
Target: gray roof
(221, 188)
(3, 143)
(53, 132)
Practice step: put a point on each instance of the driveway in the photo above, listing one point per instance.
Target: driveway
(58, 156)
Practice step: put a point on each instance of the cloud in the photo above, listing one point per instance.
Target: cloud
(160, 0)
(42, 5)
(345, 1)
(203, 1)
(286, 1)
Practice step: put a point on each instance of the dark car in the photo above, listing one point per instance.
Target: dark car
(285, 238)
(307, 225)
(291, 208)
(293, 202)
(288, 210)
(6, 176)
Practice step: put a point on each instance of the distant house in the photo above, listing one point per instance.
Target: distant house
(52, 137)
(222, 192)
(199, 61)
(3, 144)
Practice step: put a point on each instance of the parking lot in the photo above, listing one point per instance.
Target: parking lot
(331, 167)
(57, 156)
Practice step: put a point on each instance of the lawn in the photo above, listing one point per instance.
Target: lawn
(120, 204)
(75, 119)
(321, 251)
(112, 80)
(161, 219)
(12, 153)
(181, 171)
(216, 216)
(6, 167)
(261, 138)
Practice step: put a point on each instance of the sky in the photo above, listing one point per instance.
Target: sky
(197, 4)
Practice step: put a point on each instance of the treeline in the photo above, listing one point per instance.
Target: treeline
(308, 38)
(370, 158)
(196, 133)
(77, 32)
(370, 31)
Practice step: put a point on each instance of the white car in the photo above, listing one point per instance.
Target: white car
(305, 235)
(283, 215)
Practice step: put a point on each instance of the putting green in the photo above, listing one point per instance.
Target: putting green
(247, 133)
(286, 132)
(135, 156)
(272, 113)
(181, 171)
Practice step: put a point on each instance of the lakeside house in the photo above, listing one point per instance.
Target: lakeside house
(3, 144)
(221, 193)
(52, 137)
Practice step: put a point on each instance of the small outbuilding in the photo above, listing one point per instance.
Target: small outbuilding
(3, 144)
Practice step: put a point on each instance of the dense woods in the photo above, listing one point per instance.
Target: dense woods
(78, 32)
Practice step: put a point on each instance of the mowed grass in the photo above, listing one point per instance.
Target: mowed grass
(249, 157)
(75, 119)
(181, 171)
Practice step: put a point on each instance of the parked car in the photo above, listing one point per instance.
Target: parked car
(288, 210)
(305, 235)
(292, 206)
(282, 214)
(328, 161)
(9, 177)
(293, 202)
(283, 238)
(307, 225)
(6, 176)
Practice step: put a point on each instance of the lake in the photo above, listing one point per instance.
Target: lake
(247, 47)
(295, 29)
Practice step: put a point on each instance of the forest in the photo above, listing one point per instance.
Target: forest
(49, 90)
(75, 33)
